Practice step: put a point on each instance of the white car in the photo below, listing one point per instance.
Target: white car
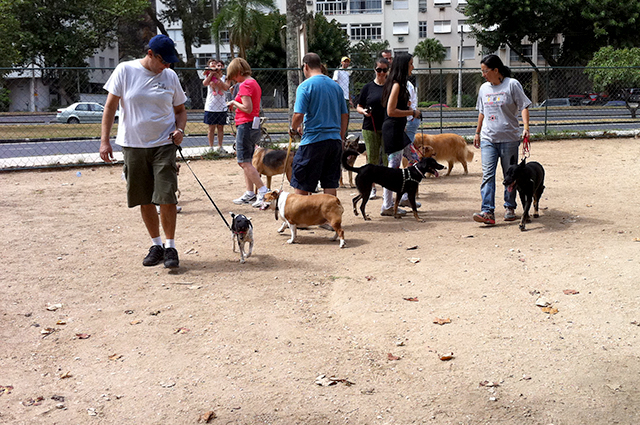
(82, 112)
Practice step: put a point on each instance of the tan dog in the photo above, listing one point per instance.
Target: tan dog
(306, 210)
(448, 147)
(270, 162)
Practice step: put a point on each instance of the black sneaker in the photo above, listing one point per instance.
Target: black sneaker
(171, 258)
(154, 257)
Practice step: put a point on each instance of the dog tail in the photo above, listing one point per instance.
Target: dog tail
(345, 163)
(469, 155)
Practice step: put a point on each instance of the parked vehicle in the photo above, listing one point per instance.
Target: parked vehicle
(576, 99)
(81, 113)
(558, 101)
(438, 105)
(594, 99)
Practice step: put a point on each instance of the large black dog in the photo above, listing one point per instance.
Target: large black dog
(528, 179)
(398, 180)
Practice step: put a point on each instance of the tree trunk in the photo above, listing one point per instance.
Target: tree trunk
(296, 10)
(190, 78)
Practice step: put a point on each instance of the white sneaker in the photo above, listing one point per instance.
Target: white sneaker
(405, 203)
(389, 212)
(258, 202)
(245, 199)
(372, 195)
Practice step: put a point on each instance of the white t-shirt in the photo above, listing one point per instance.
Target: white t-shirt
(500, 106)
(215, 100)
(413, 98)
(341, 76)
(146, 104)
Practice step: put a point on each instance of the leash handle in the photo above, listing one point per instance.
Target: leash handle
(526, 147)
(201, 185)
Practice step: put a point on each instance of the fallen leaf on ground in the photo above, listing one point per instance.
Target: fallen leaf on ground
(136, 322)
(47, 331)
(54, 307)
(5, 389)
(636, 239)
(542, 302)
(191, 251)
(414, 260)
(445, 357)
(82, 336)
(570, 292)
(32, 402)
(439, 321)
(489, 384)
(115, 356)
(412, 247)
(392, 357)
(66, 375)
(207, 417)
(411, 299)
(61, 322)
(181, 331)
(369, 277)
(128, 312)
(57, 398)
(326, 381)
(549, 310)
(635, 322)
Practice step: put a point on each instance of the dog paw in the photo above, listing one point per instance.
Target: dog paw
(367, 218)
(242, 261)
(522, 227)
(536, 215)
(343, 244)
(290, 241)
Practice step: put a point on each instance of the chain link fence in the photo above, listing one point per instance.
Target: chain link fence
(51, 117)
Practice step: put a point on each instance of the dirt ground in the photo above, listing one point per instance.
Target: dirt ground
(90, 336)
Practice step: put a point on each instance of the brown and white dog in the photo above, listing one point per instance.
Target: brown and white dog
(447, 147)
(271, 162)
(242, 232)
(306, 210)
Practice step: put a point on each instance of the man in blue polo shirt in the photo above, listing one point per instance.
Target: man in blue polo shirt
(320, 105)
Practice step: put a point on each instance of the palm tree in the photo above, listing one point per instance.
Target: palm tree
(243, 18)
(430, 50)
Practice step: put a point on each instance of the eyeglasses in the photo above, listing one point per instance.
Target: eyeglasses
(384, 70)
(162, 61)
(486, 71)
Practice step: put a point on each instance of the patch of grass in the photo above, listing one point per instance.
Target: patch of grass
(215, 155)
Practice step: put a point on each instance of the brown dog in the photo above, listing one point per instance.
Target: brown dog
(447, 147)
(306, 210)
(271, 162)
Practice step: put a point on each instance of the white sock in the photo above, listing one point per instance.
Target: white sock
(157, 241)
(250, 192)
(170, 243)
(263, 190)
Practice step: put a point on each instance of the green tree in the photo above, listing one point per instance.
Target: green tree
(244, 20)
(9, 26)
(365, 53)
(430, 50)
(585, 25)
(614, 69)
(327, 39)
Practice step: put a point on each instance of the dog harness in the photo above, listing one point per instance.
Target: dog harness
(406, 177)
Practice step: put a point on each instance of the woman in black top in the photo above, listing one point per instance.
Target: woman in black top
(370, 105)
(396, 97)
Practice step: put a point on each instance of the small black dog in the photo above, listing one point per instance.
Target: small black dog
(242, 232)
(529, 180)
(398, 180)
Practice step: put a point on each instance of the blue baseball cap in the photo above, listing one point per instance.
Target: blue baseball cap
(164, 46)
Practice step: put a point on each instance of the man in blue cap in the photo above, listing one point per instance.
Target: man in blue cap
(151, 124)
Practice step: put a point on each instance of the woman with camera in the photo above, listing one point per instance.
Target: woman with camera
(215, 108)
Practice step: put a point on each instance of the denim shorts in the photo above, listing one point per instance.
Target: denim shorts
(317, 162)
(246, 139)
(151, 175)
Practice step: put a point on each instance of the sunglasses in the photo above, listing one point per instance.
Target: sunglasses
(162, 61)
(384, 70)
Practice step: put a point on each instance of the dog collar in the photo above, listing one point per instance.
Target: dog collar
(406, 177)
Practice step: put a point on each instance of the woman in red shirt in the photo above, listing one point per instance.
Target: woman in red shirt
(247, 107)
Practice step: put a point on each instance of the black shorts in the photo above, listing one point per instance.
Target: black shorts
(317, 162)
(215, 118)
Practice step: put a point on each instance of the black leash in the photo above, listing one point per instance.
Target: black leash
(205, 190)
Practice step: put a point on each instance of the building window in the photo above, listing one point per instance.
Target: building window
(527, 51)
(422, 6)
(447, 53)
(175, 35)
(422, 29)
(401, 28)
(441, 27)
(468, 52)
(366, 32)
(365, 6)
(462, 25)
(400, 4)
(223, 36)
(555, 53)
(331, 7)
(462, 3)
(112, 63)
(441, 3)
(202, 59)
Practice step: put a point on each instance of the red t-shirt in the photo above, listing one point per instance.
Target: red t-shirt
(251, 88)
